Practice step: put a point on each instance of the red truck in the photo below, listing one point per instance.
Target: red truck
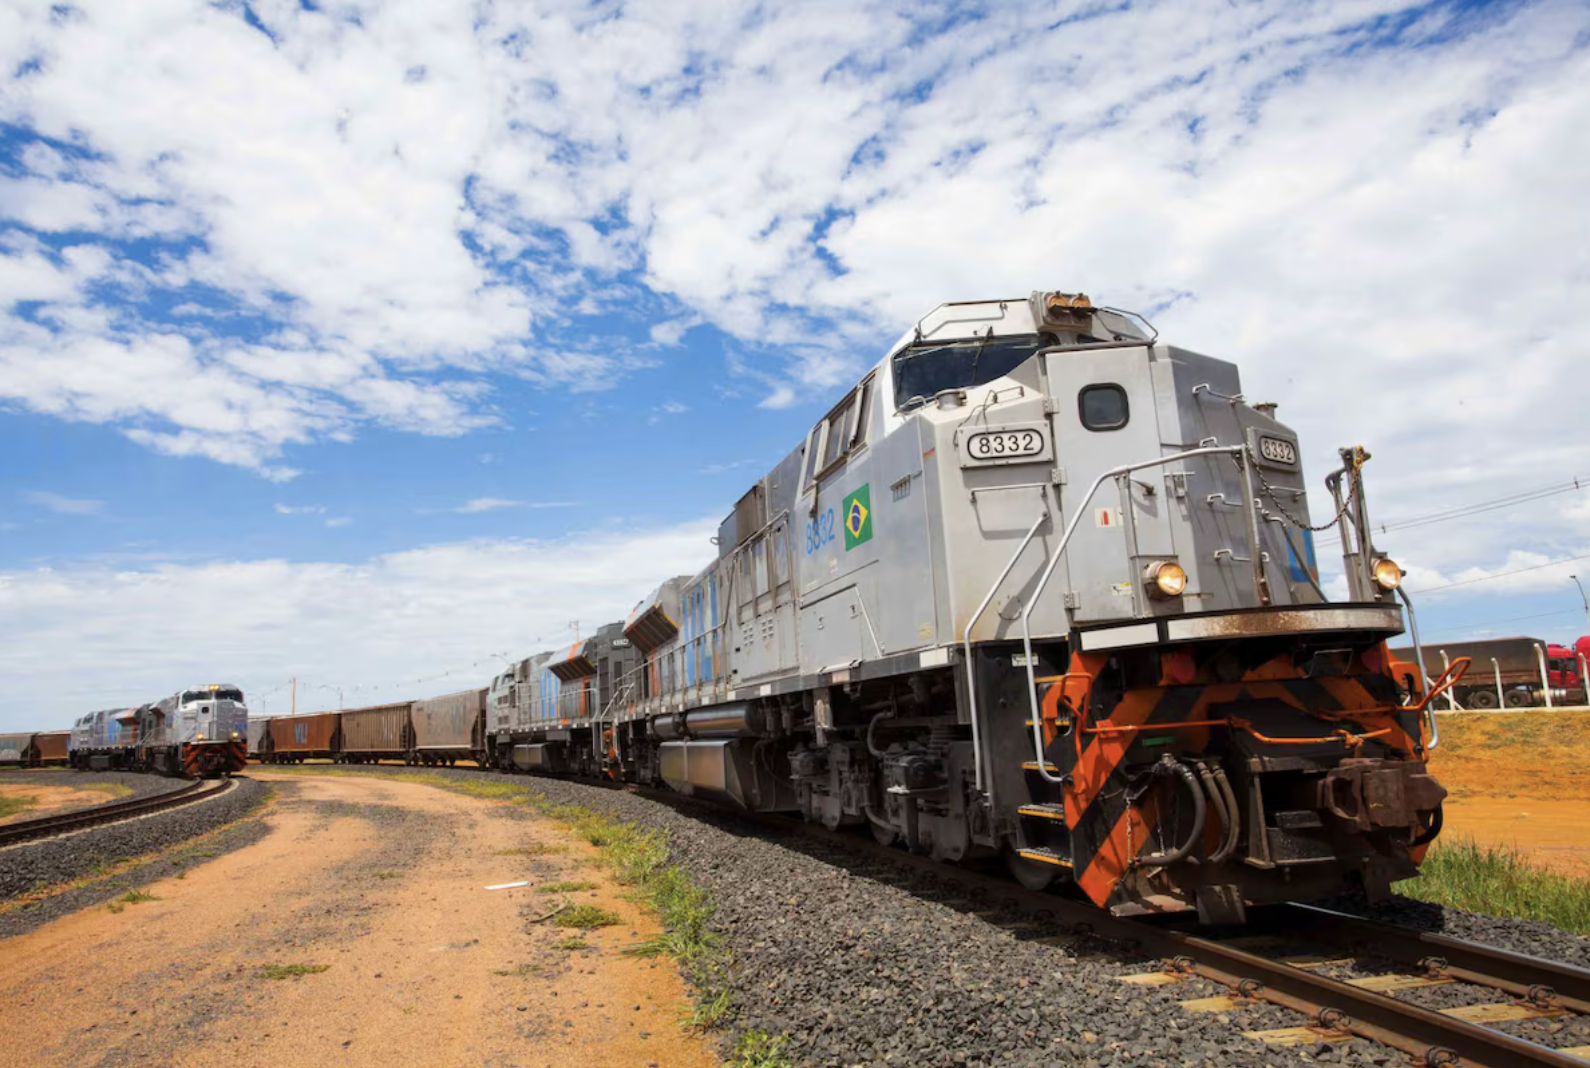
(1509, 671)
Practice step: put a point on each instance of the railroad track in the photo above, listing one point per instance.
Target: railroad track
(114, 812)
(1332, 1009)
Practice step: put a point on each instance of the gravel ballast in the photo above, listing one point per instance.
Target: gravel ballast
(855, 964)
(33, 865)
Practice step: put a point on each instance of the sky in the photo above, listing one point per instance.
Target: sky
(377, 345)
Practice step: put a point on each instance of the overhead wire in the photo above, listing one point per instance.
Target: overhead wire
(1476, 508)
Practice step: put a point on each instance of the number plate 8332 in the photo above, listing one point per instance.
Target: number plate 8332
(1018, 443)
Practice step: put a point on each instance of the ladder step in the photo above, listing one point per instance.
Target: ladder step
(1046, 856)
(1046, 812)
(1032, 765)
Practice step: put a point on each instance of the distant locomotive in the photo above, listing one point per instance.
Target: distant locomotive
(200, 732)
(927, 620)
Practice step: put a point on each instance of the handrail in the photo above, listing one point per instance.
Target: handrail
(1418, 653)
(971, 677)
(1054, 561)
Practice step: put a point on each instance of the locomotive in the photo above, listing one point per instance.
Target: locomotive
(201, 732)
(1039, 586)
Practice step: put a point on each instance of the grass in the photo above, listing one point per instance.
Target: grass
(564, 888)
(520, 972)
(289, 971)
(572, 943)
(10, 806)
(537, 850)
(1500, 881)
(385, 875)
(138, 897)
(758, 1049)
(586, 918)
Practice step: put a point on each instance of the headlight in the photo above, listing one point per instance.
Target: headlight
(234, 736)
(199, 737)
(1388, 576)
(1165, 579)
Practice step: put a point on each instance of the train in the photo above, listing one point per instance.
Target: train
(1041, 588)
(437, 732)
(42, 749)
(199, 732)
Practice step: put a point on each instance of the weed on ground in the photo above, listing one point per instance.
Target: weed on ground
(289, 971)
(1499, 881)
(586, 918)
(10, 806)
(564, 888)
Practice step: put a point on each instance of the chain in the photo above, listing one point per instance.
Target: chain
(1347, 502)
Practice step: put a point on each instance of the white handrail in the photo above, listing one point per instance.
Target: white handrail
(971, 677)
(1054, 561)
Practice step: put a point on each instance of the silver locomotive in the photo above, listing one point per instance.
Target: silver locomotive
(1042, 585)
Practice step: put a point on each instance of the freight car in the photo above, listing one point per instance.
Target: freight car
(295, 739)
(379, 732)
(197, 732)
(1038, 585)
(449, 728)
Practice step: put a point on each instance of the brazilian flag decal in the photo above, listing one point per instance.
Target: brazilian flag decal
(858, 517)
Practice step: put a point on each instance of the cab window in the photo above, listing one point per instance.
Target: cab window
(1103, 406)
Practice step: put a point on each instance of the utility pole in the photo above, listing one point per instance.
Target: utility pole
(294, 712)
(1586, 601)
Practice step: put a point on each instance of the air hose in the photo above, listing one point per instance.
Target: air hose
(1168, 766)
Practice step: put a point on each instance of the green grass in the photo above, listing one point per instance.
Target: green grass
(1500, 881)
(758, 1049)
(564, 888)
(138, 897)
(572, 943)
(586, 918)
(385, 875)
(289, 971)
(10, 806)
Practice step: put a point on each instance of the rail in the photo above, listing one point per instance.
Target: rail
(49, 826)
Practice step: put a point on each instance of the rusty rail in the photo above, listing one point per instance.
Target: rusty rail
(114, 812)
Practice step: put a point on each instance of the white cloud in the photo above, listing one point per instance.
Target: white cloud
(55, 502)
(487, 504)
(339, 521)
(1382, 223)
(379, 622)
(300, 509)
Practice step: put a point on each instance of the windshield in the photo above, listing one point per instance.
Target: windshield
(207, 695)
(924, 370)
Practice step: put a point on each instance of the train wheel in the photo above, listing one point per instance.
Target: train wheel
(1482, 699)
(1032, 874)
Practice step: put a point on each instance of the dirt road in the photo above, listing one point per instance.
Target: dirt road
(381, 885)
(1520, 780)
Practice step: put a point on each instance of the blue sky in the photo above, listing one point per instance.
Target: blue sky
(362, 342)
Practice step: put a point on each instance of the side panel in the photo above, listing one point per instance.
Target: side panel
(383, 729)
(303, 734)
(447, 722)
(13, 746)
(51, 746)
